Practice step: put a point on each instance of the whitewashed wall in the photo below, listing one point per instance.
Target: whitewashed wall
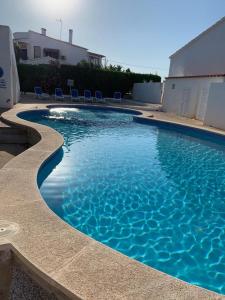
(188, 96)
(147, 92)
(9, 81)
(203, 56)
(215, 113)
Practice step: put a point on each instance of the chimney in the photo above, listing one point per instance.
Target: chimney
(43, 31)
(71, 36)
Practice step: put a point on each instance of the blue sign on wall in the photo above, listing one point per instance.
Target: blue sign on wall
(1, 72)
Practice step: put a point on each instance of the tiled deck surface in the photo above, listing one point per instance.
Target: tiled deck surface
(69, 261)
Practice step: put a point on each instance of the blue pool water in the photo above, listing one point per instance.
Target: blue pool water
(152, 193)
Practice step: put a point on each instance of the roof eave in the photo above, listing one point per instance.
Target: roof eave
(92, 53)
(58, 40)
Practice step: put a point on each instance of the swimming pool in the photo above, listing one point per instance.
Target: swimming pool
(152, 193)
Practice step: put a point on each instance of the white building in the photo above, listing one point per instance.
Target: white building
(193, 70)
(9, 80)
(38, 48)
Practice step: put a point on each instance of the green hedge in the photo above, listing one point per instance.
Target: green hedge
(49, 77)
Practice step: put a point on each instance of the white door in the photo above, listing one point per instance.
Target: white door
(185, 103)
(202, 104)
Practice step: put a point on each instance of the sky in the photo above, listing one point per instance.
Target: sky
(137, 34)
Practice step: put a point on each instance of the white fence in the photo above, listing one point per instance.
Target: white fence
(9, 80)
(147, 92)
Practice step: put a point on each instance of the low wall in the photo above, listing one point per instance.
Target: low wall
(148, 92)
(187, 97)
(215, 112)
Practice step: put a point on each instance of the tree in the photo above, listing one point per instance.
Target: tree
(84, 64)
(115, 68)
(88, 65)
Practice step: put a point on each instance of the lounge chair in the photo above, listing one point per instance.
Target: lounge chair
(99, 97)
(59, 94)
(87, 96)
(39, 93)
(75, 95)
(117, 97)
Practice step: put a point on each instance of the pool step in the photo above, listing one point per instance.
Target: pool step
(9, 135)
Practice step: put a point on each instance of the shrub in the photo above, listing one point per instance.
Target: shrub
(85, 77)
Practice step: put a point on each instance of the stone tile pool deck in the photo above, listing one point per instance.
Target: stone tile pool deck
(63, 260)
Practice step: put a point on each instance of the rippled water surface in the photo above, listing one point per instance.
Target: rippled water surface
(154, 194)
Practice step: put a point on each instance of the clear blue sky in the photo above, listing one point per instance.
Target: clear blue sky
(135, 32)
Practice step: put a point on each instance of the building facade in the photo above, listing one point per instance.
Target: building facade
(38, 48)
(193, 70)
(9, 80)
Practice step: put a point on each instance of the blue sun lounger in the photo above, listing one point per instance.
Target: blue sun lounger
(59, 94)
(75, 95)
(117, 96)
(88, 96)
(39, 93)
(99, 97)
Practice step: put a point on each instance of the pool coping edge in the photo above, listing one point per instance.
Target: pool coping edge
(48, 147)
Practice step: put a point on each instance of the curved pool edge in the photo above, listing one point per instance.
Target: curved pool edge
(69, 261)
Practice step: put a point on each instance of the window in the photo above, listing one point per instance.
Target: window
(173, 86)
(94, 60)
(54, 53)
(22, 50)
(37, 52)
(23, 54)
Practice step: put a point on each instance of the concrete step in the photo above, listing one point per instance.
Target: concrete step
(12, 130)
(10, 135)
(8, 151)
(13, 139)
